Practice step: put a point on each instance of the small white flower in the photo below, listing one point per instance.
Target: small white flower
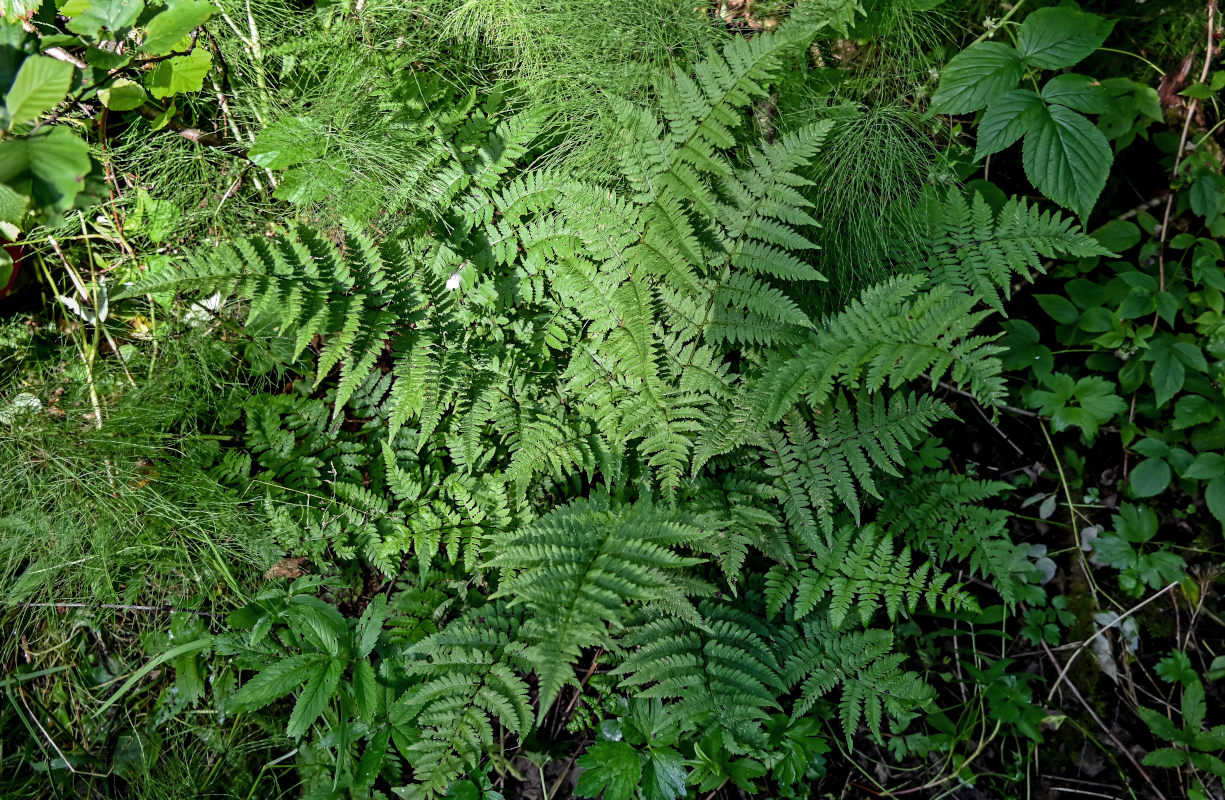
(453, 281)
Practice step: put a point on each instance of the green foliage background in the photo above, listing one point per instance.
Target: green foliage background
(638, 400)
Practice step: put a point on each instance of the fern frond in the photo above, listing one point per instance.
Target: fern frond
(722, 675)
(861, 569)
(578, 568)
(860, 662)
(470, 683)
(969, 246)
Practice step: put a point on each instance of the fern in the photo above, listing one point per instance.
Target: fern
(969, 246)
(470, 684)
(720, 674)
(944, 514)
(818, 659)
(862, 570)
(577, 570)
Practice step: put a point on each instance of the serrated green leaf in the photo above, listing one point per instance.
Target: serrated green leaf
(1006, 120)
(179, 18)
(324, 679)
(1168, 377)
(1054, 38)
(122, 95)
(274, 681)
(284, 144)
(365, 689)
(1159, 724)
(370, 625)
(180, 74)
(1205, 196)
(49, 167)
(90, 17)
(1194, 706)
(40, 85)
(1067, 158)
(1165, 757)
(1078, 92)
(1206, 466)
(664, 775)
(977, 76)
(1214, 498)
(372, 758)
(611, 768)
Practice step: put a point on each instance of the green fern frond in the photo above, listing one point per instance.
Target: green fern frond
(722, 675)
(861, 569)
(946, 515)
(470, 684)
(873, 683)
(969, 246)
(577, 570)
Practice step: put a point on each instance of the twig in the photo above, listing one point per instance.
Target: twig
(115, 607)
(60, 54)
(1001, 406)
(1090, 640)
(1107, 731)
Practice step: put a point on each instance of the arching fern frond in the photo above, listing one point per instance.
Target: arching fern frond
(578, 569)
(969, 246)
(471, 684)
(862, 570)
(819, 659)
(721, 675)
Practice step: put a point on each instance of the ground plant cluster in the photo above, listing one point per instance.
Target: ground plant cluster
(641, 401)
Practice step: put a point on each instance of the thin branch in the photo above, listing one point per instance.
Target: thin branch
(1093, 714)
(1100, 631)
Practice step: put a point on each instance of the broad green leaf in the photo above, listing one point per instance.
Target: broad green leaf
(1118, 235)
(365, 689)
(13, 208)
(1078, 92)
(664, 775)
(1059, 308)
(105, 59)
(1206, 466)
(89, 17)
(977, 76)
(122, 95)
(314, 698)
(612, 768)
(370, 625)
(16, 9)
(274, 681)
(179, 18)
(1206, 195)
(1168, 377)
(1054, 38)
(1150, 477)
(1006, 120)
(1214, 497)
(41, 84)
(1067, 158)
(180, 74)
(49, 167)
(1165, 757)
